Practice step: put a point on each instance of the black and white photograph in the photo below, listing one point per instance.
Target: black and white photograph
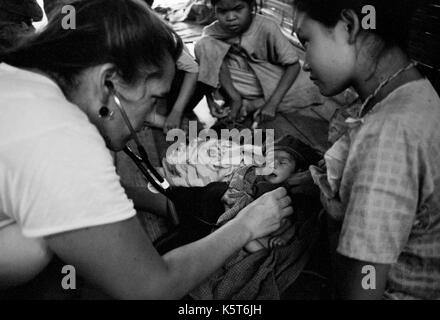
(227, 155)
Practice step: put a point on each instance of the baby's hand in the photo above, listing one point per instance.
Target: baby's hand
(276, 242)
(227, 199)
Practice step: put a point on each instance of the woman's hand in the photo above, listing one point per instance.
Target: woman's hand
(265, 214)
(244, 111)
(173, 121)
(333, 207)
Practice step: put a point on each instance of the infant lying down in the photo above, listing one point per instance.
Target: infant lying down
(292, 159)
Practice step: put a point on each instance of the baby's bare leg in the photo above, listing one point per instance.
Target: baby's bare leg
(277, 239)
(257, 245)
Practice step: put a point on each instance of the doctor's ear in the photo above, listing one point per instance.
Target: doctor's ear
(108, 79)
(352, 24)
(109, 85)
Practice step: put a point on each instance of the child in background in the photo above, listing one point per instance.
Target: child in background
(291, 157)
(180, 95)
(249, 59)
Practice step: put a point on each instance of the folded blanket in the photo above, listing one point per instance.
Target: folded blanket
(202, 162)
(263, 275)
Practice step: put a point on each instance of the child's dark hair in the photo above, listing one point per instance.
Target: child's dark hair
(303, 154)
(392, 16)
(251, 3)
(123, 32)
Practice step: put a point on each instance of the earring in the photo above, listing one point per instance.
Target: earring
(105, 112)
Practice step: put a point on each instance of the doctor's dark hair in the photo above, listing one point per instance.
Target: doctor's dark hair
(251, 3)
(392, 16)
(125, 33)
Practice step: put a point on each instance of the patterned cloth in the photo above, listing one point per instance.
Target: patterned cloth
(267, 273)
(268, 52)
(263, 275)
(390, 191)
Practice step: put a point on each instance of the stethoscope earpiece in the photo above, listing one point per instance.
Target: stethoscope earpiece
(109, 85)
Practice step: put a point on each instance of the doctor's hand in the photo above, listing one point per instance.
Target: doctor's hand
(265, 214)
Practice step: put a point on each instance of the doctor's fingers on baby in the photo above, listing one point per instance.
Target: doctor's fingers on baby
(279, 199)
(274, 205)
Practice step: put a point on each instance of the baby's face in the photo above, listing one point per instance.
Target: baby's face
(284, 167)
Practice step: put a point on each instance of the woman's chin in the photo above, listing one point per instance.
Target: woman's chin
(325, 92)
(113, 145)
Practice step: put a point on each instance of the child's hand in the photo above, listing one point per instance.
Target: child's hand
(236, 105)
(173, 121)
(244, 111)
(217, 107)
(268, 113)
(218, 112)
(320, 179)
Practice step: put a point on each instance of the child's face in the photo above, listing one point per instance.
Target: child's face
(235, 16)
(330, 58)
(284, 167)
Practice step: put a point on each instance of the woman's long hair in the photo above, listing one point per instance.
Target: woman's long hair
(392, 16)
(123, 32)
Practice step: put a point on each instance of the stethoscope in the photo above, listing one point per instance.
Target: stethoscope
(141, 160)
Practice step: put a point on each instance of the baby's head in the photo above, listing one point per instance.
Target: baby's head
(234, 16)
(290, 156)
